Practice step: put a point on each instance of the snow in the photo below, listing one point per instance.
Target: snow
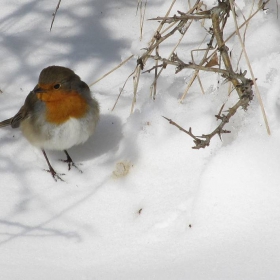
(147, 205)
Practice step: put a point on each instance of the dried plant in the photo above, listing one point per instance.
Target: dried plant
(216, 58)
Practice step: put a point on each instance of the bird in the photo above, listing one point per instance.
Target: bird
(57, 114)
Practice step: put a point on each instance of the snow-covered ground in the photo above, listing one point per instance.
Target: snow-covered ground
(147, 206)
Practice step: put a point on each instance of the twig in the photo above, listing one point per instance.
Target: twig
(183, 17)
(180, 65)
(121, 91)
(163, 22)
(112, 70)
(204, 140)
(189, 132)
(54, 14)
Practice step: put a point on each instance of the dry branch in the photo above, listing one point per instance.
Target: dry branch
(216, 45)
(243, 86)
(54, 14)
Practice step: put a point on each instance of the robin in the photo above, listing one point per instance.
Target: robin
(57, 114)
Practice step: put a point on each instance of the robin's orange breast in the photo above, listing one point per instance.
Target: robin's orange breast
(61, 105)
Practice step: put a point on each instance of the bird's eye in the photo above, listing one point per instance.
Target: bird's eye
(57, 86)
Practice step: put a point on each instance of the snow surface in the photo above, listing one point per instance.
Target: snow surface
(147, 206)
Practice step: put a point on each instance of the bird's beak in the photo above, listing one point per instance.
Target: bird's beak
(40, 92)
(38, 89)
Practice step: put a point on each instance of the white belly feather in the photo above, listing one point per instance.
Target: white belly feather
(59, 137)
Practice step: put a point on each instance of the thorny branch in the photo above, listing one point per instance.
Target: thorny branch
(204, 140)
(218, 16)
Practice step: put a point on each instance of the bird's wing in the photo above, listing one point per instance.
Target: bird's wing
(22, 114)
(15, 121)
(6, 122)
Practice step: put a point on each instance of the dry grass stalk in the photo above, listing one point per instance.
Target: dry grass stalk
(111, 71)
(142, 15)
(54, 14)
(121, 91)
(250, 69)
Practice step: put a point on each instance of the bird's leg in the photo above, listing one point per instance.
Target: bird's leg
(70, 161)
(51, 170)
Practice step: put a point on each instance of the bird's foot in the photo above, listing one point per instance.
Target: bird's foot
(70, 162)
(55, 175)
(51, 170)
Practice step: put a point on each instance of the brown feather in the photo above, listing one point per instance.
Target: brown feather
(6, 122)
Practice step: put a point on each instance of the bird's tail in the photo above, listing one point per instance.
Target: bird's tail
(6, 122)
